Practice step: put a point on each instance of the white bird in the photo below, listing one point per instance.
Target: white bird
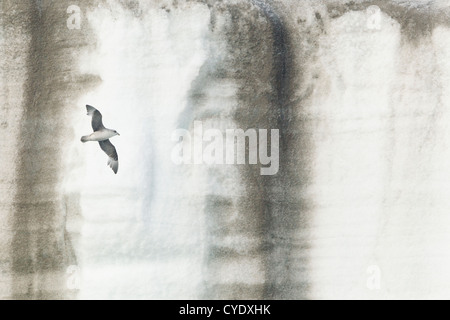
(102, 135)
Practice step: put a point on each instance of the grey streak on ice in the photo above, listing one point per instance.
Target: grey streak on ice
(102, 135)
(37, 244)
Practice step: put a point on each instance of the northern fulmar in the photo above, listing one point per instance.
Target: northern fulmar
(102, 135)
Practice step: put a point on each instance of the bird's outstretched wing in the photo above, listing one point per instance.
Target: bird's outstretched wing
(110, 150)
(96, 118)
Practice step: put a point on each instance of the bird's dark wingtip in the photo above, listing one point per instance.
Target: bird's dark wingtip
(90, 110)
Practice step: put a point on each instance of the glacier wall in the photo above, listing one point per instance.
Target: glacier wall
(357, 89)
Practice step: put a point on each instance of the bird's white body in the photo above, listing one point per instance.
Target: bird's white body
(100, 135)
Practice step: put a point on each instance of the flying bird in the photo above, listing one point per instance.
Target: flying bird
(102, 135)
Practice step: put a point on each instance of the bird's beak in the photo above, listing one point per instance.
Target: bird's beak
(118, 134)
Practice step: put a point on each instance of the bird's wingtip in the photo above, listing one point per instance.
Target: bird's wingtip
(113, 164)
(90, 110)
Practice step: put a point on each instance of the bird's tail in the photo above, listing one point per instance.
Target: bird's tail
(84, 139)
